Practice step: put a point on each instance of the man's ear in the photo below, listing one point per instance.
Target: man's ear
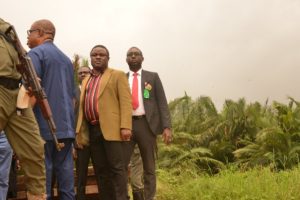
(41, 33)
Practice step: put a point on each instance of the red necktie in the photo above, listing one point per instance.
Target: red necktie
(135, 92)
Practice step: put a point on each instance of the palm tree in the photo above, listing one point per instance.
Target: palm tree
(75, 63)
(189, 119)
(248, 134)
(278, 143)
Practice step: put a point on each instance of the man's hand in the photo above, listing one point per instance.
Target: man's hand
(77, 144)
(74, 153)
(125, 134)
(167, 136)
(32, 101)
(30, 93)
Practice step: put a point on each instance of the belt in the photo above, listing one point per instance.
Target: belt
(9, 83)
(137, 117)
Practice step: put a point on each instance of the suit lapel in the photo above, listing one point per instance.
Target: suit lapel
(83, 85)
(104, 80)
(143, 80)
(82, 94)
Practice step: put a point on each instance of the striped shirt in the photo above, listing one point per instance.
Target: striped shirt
(90, 101)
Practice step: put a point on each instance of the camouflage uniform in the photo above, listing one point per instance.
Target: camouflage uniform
(22, 131)
(136, 174)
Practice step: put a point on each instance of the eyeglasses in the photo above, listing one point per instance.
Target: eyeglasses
(32, 30)
(98, 54)
(133, 54)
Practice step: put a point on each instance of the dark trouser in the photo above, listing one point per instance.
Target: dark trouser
(109, 165)
(146, 140)
(82, 164)
(12, 187)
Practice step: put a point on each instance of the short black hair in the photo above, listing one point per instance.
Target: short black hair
(101, 46)
(134, 47)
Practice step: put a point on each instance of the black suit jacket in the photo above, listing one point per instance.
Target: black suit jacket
(156, 106)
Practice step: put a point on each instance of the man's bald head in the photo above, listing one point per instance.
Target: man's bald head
(45, 26)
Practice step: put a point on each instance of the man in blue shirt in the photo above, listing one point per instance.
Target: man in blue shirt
(55, 70)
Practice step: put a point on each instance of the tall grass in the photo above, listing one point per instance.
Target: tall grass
(255, 184)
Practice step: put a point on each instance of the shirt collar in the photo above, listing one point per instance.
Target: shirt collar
(139, 72)
(94, 74)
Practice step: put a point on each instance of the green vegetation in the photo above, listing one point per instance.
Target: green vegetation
(244, 152)
(248, 135)
(254, 184)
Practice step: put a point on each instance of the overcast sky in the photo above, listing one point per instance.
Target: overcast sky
(225, 49)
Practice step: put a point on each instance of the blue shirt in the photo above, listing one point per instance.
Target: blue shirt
(56, 72)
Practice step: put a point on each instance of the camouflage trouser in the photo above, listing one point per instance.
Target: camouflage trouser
(36, 197)
(23, 134)
(136, 170)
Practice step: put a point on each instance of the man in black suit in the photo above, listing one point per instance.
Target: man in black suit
(151, 117)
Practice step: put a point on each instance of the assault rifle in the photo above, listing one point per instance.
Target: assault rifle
(31, 82)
